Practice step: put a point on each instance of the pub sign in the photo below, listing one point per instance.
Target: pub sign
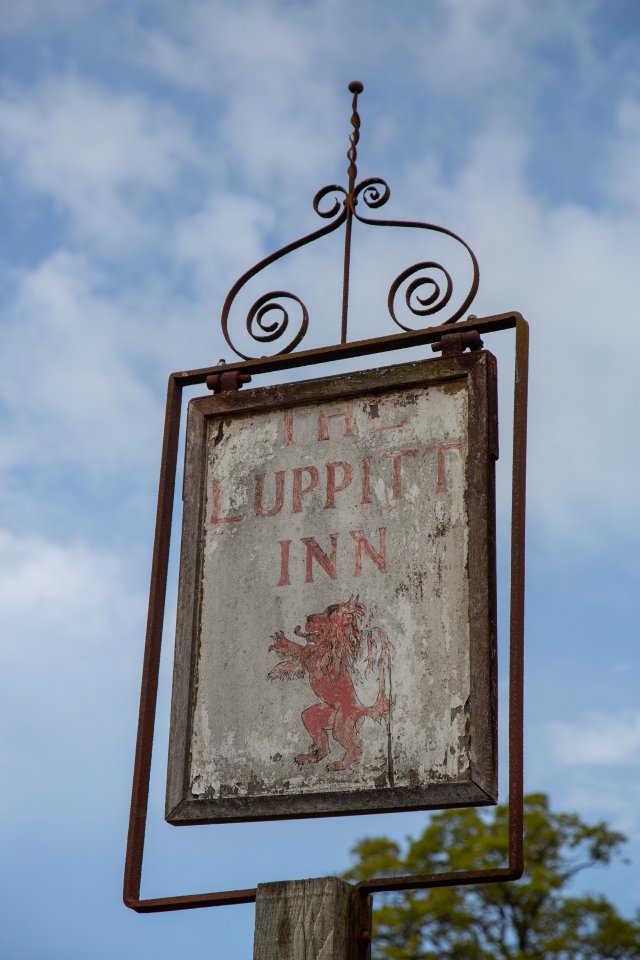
(336, 640)
(335, 643)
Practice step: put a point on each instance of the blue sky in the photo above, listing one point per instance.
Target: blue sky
(150, 153)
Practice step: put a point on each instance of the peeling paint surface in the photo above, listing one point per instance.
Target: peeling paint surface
(334, 606)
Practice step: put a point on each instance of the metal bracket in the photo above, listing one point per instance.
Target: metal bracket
(230, 381)
(454, 344)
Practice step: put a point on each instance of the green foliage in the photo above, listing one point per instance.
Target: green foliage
(535, 918)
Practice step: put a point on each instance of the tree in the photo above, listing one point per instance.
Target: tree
(535, 918)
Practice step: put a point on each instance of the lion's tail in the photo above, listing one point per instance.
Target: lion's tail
(381, 707)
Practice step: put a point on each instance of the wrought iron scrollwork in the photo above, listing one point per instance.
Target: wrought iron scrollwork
(270, 302)
(325, 192)
(375, 193)
(425, 288)
(427, 304)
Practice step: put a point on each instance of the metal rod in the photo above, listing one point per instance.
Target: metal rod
(356, 88)
(346, 273)
(516, 661)
(356, 348)
(151, 662)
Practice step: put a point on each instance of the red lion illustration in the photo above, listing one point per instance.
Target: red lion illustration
(332, 642)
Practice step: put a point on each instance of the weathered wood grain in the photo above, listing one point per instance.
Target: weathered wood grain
(306, 920)
(188, 608)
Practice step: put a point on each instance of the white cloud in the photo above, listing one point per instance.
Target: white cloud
(68, 671)
(80, 396)
(267, 68)
(223, 238)
(598, 740)
(17, 16)
(61, 603)
(67, 611)
(621, 181)
(102, 157)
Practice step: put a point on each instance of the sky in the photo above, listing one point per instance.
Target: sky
(149, 154)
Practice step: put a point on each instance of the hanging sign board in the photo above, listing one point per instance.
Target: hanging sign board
(336, 643)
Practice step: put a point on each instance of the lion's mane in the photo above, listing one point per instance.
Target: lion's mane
(334, 647)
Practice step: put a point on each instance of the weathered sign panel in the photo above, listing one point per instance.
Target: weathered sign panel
(336, 645)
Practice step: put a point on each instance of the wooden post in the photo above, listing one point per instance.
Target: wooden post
(323, 919)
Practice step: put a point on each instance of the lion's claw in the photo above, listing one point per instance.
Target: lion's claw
(338, 765)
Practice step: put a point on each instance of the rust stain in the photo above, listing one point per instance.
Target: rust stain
(219, 435)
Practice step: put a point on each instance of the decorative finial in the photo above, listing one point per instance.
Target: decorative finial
(422, 290)
(355, 87)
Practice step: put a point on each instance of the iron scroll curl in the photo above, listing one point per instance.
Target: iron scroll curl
(271, 302)
(375, 192)
(424, 289)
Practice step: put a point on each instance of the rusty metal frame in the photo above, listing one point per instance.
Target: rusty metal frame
(149, 689)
